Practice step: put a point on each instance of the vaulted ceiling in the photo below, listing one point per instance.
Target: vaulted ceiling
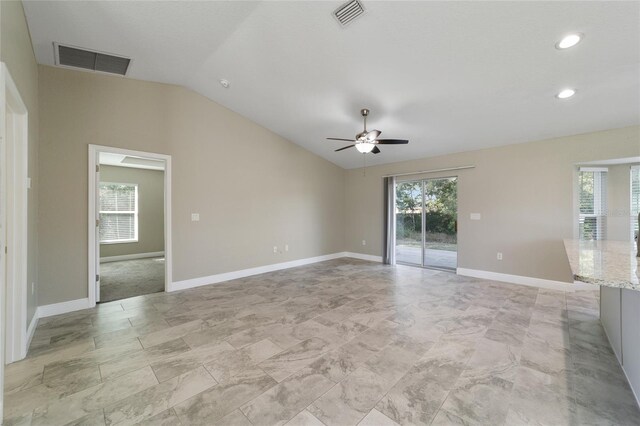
(448, 76)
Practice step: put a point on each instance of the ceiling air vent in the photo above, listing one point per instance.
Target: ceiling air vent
(90, 60)
(349, 11)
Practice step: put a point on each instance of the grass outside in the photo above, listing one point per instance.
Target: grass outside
(429, 245)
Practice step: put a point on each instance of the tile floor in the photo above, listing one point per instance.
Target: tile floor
(343, 342)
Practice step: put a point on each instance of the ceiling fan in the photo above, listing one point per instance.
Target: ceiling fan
(367, 140)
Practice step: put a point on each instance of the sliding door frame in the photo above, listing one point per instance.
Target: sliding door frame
(423, 219)
(423, 205)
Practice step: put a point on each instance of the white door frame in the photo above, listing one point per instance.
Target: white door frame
(15, 129)
(94, 153)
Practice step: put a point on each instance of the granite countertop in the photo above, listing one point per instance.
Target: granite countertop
(605, 262)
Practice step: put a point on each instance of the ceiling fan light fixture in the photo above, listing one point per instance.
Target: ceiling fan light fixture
(566, 94)
(569, 40)
(365, 147)
(367, 140)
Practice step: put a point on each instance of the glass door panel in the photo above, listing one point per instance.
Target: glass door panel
(440, 223)
(409, 222)
(426, 223)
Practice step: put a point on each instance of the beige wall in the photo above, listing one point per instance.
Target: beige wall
(150, 209)
(524, 192)
(16, 52)
(619, 202)
(252, 188)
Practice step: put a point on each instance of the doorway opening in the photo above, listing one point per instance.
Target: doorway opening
(427, 222)
(130, 223)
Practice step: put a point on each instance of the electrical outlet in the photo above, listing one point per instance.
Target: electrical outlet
(286, 247)
(195, 217)
(499, 256)
(364, 242)
(275, 249)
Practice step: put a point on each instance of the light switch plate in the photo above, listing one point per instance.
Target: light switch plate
(195, 217)
(475, 216)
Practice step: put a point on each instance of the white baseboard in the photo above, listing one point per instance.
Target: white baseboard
(62, 308)
(369, 257)
(243, 273)
(31, 329)
(131, 256)
(522, 280)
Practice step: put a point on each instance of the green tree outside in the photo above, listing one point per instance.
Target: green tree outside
(440, 199)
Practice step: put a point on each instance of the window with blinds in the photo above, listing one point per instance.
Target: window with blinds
(592, 199)
(635, 199)
(118, 212)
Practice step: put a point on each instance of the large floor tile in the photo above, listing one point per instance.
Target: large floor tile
(158, 398)
(295, 358)
(232, 362)
(92, 400)
(479, 401)
(350, 400)
(284, 401)
(218, 401)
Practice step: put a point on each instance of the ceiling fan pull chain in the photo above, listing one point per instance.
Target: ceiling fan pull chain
(364, 164)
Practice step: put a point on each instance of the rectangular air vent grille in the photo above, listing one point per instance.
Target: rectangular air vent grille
(90, 60)
(349, 11)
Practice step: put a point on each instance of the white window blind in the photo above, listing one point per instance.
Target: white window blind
(635, 199)
(118, 212)
(592, 198)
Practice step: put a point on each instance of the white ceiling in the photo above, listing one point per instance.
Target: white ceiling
(121, 160)
(449, 76)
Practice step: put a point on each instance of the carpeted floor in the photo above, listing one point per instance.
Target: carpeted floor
(128, 278)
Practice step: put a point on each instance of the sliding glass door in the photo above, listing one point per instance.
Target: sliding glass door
(426, 223)
(441, 223)
(409, 220)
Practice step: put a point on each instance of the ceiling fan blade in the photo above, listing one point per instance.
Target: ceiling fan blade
(340, 149)
(392, 141)
(375, 150)
(341, 139)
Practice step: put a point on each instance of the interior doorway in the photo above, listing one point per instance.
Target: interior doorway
(14, 184)
(427, 222)
(130, 227)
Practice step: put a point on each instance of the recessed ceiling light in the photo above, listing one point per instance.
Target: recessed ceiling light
(566, 93)
(569, 40)
(224, 83)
